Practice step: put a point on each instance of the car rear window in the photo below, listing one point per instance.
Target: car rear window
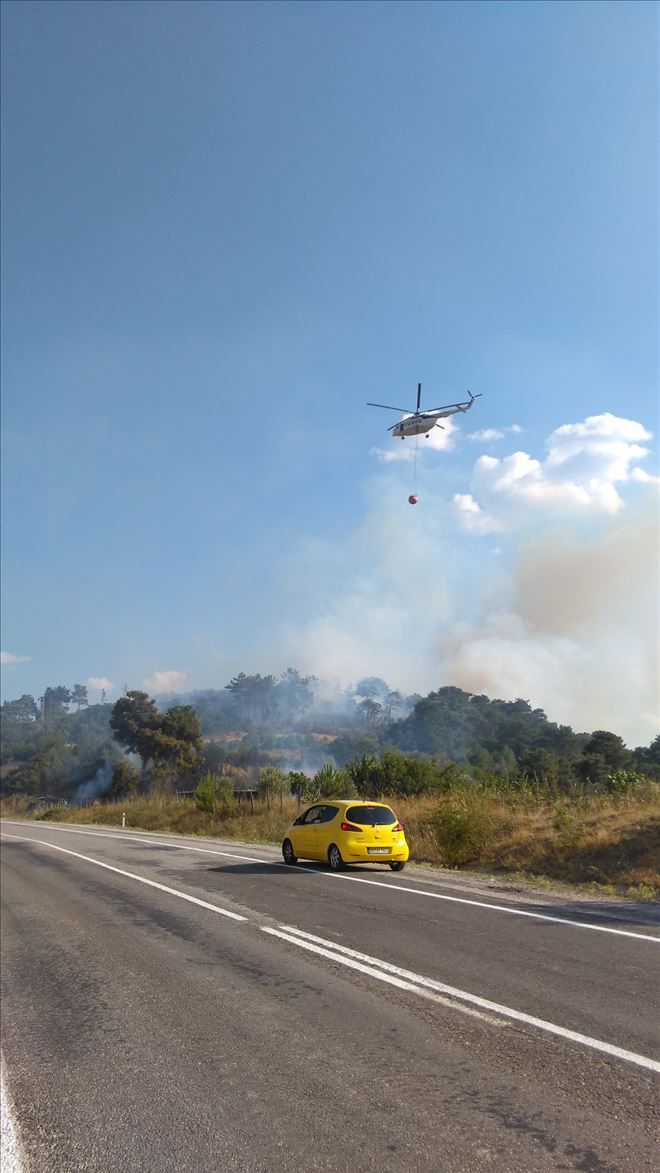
(371, 816)
(316, 814)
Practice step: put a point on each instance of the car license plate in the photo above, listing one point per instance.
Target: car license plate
(378, 850)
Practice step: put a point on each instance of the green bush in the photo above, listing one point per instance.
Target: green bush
(569, 829)
(333, 783)
(397, 774)
(302, 787)
(273, 782)
(212, 790)
(462, 828)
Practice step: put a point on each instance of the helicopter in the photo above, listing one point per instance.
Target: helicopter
(417, 423)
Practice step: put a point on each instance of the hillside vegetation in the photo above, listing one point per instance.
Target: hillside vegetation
(479, 783)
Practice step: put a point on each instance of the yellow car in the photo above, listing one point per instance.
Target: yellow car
(341, 832)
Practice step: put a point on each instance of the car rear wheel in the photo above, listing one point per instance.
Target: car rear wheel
(288, 852)
(334, 858)
(397, 865)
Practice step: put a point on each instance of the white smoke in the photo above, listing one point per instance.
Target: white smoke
(96, 786)
(579, 637)
(563, 612)
(9, 659)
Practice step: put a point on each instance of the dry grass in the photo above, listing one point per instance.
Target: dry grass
(604, 840)
(600, 840)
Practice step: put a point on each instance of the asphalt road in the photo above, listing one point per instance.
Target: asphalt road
(233, 1014)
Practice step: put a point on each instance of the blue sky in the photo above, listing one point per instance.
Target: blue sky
(228, 226)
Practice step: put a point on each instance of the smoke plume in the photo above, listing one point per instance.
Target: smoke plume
(562, 610)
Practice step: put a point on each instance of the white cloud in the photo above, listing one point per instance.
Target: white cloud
(389, 455)
(585, 464)
(643, 477)
(168, 680)
(488, 435)
(100, 683)
(8, 659)
(472, 517)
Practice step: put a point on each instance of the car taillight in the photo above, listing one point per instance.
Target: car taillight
(350, 827)
(398, 827)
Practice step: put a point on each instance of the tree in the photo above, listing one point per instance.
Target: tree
(541, 766)
(55, 701)
(254, 696)
(171, 741)
(611, 748)
(273, 782)
(79, 696)
(179, 726)
(594, 770)
(372, 688)
(135, 720)
(391, 702)
(648, 759)
(294, 694)
(303, 787)
(206, 791)
(604, 754)
(23, 710)
(333, 783)
(349, 746)
(370, 711)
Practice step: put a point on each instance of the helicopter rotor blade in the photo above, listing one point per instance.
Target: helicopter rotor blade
(419, 395)
(446, 406)
(388, 407)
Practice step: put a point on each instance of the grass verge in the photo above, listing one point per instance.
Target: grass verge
(607, 842)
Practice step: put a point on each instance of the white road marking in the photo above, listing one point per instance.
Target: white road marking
(557, 920)
(383, 971)
(9, 1145)
(401, 982)
(131, 876)
(137, 839)
(405, 980)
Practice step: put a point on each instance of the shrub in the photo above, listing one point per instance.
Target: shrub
(462, 828)
(272, 782)
(212, 790)
(569, 829)
(332, 783)
(305, 789)
(397, 774)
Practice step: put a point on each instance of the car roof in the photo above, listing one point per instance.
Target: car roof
(346, 802)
